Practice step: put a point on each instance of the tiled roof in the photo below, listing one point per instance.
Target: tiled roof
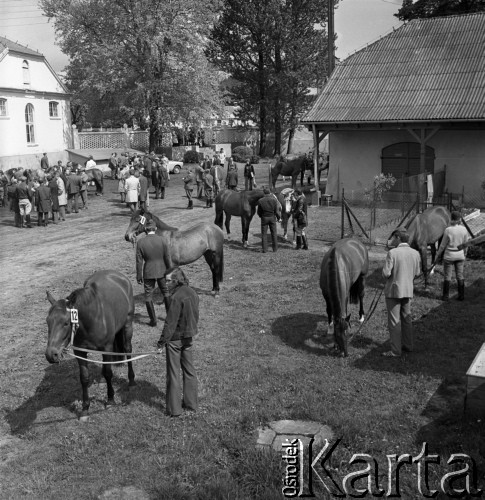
(428, 69)
(16, 47)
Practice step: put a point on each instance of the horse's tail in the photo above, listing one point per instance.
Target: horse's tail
(218, 221)
(119, 345)
(356, 290)
(98, 180)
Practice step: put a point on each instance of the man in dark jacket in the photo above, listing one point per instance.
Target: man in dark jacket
(199, 179)
(189, 180)
(269, 211)
(152, 261)
(113, 165)
(231, 179)
(74, 184)
(178, 332)
(23, 195)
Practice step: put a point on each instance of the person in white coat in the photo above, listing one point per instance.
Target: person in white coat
(132, 188)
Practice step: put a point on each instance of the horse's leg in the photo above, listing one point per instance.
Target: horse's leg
(108, 376)
(284, 225)
(227, 223)
(433, 257)
(245, 230)
(331, 329)
(361, 298)
(209, 258)
(84, 377)
(424, 263)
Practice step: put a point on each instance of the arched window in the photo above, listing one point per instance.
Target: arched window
(53, 109)
(29, 123)
(3, 107)
(26, 72)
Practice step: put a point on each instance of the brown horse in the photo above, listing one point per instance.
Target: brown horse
(240, 204)
(342, 275)
(425, 229)
(291, 168)
(96, 175)
(105, 309)
(186, 245)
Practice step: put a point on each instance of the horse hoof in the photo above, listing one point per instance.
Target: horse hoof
(362, 319)
(109, 403)
(245, 244)
(84, 418)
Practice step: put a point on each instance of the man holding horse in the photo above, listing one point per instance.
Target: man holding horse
(402, 265)
(268, 211)
(151, 265)
(177, 337)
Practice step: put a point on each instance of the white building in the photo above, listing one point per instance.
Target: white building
(34, 109)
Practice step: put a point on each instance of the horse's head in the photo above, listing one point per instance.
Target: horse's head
(59, 329)
(137, 224)
(342, 331)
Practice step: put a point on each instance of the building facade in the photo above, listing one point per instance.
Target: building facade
(34, 109)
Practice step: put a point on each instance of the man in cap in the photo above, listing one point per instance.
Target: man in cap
(152, 260)
(177, 337)
(269, 211)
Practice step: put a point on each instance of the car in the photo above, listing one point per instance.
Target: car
(174, 167)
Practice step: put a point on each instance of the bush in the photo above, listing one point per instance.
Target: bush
(254, 159)
(193, 157)
(241, 154)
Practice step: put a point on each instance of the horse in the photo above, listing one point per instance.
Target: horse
(342, 275)
(186, 245)
(240, 204)
(291, 168)
(425, 229)
(105, 310)
(284, 197)
(96, 175)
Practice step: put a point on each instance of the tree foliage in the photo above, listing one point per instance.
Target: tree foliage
(435, 8)
(139, 59)
(271, 47)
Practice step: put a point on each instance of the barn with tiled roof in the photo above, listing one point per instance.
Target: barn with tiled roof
(413, 101)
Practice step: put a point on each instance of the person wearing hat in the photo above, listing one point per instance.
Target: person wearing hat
(402, 265)
(269, 211)
(177, 338)
(132, 189)
(453, 236)
(151, 263)
(189, 187)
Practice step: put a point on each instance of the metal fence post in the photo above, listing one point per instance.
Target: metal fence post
(342, 215)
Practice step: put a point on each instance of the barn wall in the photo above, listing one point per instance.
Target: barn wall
(355, 158)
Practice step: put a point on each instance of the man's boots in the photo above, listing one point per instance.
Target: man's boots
(39, 220)
(446, 290)
(461, 289)
(162, 193)
(27, 220)
(190, 205)
(151, 313)
(298, 242)
(305, 242)
(55, 217)
(21, 221)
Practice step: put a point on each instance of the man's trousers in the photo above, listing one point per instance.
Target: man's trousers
(400, 324)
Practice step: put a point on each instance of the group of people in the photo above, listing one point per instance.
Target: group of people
(52, 192)
(403, 264)
(136, 174)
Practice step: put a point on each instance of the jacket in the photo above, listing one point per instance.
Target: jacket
(248, 170)
(182, 316)
(151, 259)
(268, 207)
(23, 192)
(189, 181)
(143, 188)
(402, 265)
(74, 184)
(43, 199)
(231, 179)
(452, 237)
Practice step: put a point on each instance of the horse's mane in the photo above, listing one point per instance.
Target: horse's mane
(160, 224)
(82, 296)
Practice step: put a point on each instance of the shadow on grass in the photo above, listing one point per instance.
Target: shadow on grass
(302, 331)
(60, 388)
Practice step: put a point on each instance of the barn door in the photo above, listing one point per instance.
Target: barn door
(402, 159)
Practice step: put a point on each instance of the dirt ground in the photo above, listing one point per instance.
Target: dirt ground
(270, 309)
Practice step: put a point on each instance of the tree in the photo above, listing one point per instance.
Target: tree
(140, 59)
(271, 47)
(434, 8)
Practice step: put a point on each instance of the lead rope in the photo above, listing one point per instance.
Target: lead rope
(372, 308)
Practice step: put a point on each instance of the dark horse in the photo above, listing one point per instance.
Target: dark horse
(342, 274)
(425, 229)
(105, 308)
(292, 168)
(186, 245)
(96, 175)
(240, 204)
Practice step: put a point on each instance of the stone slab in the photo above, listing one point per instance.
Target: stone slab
(265, 437)
(299, 427)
